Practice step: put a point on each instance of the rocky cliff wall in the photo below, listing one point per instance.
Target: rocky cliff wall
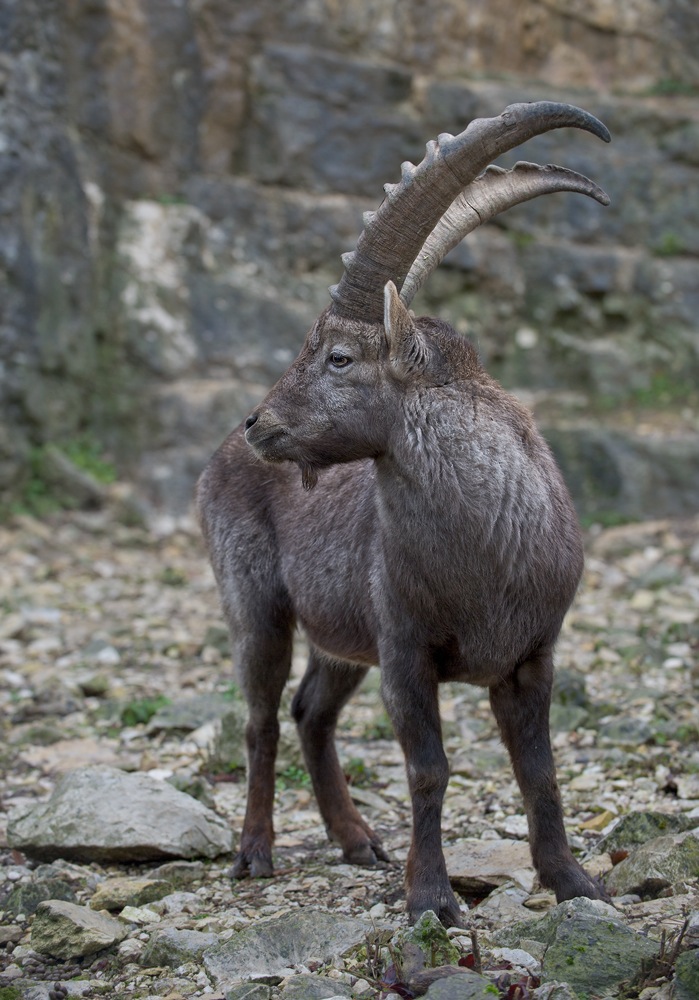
(179, 177)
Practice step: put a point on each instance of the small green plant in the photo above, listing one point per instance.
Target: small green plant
(379, 728)
(669, 245)
(171, 199)
(37, 497)
(172, 577)
(357, 772)
(293, 777)
(86, 454)
(605, 519)
(231, 693)
(664, 389)
(40, 494)
(142, 710)
(671, 87)
(521, 239)
(686, 733)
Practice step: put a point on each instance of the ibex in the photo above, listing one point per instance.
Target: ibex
(393, 500)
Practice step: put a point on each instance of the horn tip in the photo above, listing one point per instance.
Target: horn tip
(570, 114)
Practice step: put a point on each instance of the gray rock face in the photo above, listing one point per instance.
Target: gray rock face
(104, 814)
(175, 206)
(65, 930)
(288, 147)
(273, 946)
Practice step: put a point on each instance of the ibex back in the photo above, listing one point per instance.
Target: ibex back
(392, 499)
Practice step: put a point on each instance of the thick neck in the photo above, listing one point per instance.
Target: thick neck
(457, 478)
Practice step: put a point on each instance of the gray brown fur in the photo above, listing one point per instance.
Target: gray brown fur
(393, 500)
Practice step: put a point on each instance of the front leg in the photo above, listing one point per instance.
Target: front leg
(521, 707)
(264, 662)
(409, 689)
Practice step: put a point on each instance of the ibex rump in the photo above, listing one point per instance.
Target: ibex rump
(440, 541)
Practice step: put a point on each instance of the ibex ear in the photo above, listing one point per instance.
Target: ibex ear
(408, 351)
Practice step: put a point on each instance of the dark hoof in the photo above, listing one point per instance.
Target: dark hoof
(366, 855)
(578, 883)
(446, 907)
(255, 867)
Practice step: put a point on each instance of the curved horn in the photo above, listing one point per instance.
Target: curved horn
(493, 192)
(393, 236)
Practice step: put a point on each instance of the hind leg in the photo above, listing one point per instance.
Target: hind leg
(264, 662)
(325, 688)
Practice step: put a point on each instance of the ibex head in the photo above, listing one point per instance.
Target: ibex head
(333, 404)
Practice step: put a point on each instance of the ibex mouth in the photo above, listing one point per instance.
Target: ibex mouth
(267, 440)
(277, 445)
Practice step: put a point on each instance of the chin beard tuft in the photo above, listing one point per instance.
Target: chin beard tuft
(309, 475)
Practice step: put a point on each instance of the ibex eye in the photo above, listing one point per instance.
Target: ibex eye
(339, 360)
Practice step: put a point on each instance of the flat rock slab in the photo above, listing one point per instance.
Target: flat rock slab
(505, 906)
(309, 987)
(26, 896)
(476, 867)
(653, 867)
(188, 714)
(687, 975)
(465, 985)
(103, 814)
(171, 947)
(249, 991)
(272, 947)
(67, 755)
(586, 946)
(638, 828)
(66, 930)
(596, 955)
(116, 893)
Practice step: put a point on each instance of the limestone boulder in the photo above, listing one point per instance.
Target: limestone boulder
(103, 814)
(66, 930)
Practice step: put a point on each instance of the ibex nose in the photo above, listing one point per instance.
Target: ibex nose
(252, 419)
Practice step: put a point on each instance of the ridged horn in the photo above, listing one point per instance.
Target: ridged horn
(493, 192)
(392, 239)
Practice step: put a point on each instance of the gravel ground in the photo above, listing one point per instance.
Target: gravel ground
(103, 622)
